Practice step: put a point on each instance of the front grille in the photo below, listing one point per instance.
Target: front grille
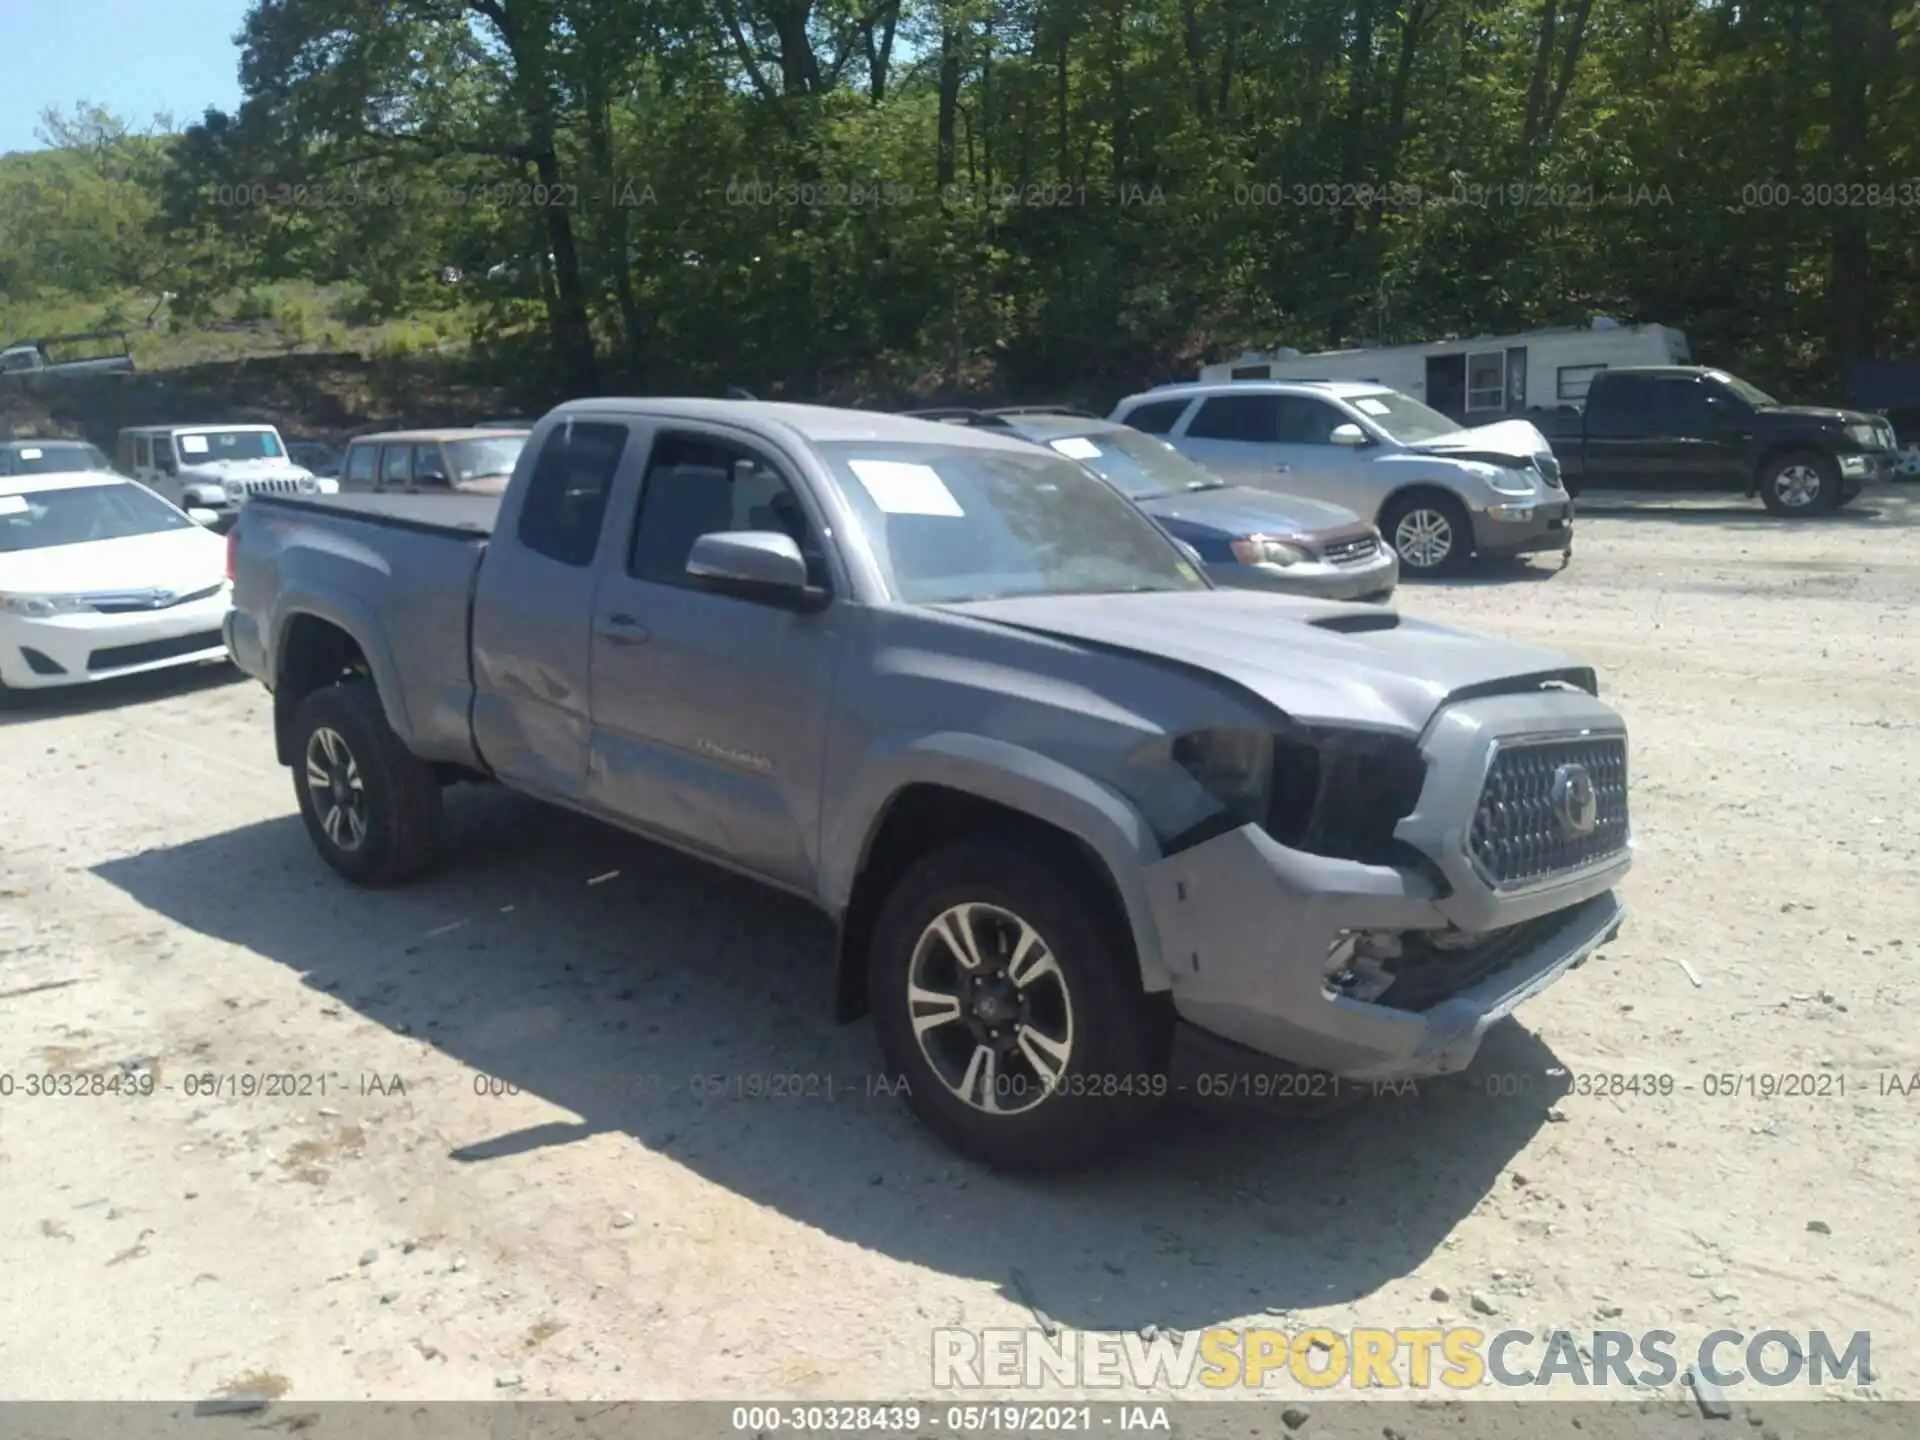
(123, 602)
(1520, 836)
(118, 657)
(1351, 552)
(1549, 469)
(271, 487)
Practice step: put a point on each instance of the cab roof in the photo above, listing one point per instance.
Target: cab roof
(813, 423)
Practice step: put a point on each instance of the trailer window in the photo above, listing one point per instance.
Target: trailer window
(1487, 380)
(1252, 372)
(1571, 381)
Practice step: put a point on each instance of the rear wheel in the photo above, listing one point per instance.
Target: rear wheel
(371, 807)
(1429, 531)
(1005, 994)
(1803, 483)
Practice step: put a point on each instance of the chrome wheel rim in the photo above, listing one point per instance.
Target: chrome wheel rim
(1797, 486)
(334, 786)
(990, 1008)
(1424, 538)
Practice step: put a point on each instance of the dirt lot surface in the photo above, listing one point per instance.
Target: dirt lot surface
(500, 1172)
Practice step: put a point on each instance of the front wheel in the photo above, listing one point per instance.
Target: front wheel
(1430, 532)
(1804, 483)
(371, 806)
(1006, 995)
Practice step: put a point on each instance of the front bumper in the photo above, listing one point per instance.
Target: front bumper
(43, 653)
(1548, 527)
(1373, 580)
(1247, 926)
(1860, 469)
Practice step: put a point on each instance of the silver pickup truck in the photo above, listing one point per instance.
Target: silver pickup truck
(1094, 832)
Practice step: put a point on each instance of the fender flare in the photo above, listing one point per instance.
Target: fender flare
(356, 620)
(1013, 776)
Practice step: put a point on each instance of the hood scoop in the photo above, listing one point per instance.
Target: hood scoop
(1359, 624)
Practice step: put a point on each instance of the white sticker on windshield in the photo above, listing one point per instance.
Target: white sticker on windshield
(194, 444)
(902, 489)
(31, 454)
(1077, 447)
(1367, 405)
(13, 504)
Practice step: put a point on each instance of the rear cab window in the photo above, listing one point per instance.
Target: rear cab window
(565, 504)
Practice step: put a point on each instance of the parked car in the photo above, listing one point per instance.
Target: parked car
(477, 461)
(50, 457)
(214, 467)
(316, 457)
(101, 577)
(1087, 823)
(1440, 494)
(1242, 536)
(101, 353)
(1691, 428)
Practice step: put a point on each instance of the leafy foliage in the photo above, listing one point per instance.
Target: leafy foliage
(1039, 197)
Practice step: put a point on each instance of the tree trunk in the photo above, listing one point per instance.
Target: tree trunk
(949, 105)
(1542, 67)
(1196, 59)
(599, 135)
(1850, 284)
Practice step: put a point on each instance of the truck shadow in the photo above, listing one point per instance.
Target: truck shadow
(645, 993)
(1897, 505)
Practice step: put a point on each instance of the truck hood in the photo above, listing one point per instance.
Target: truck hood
(1519, 438)
(1822, 413)
(1241, 510)
(1364, 666)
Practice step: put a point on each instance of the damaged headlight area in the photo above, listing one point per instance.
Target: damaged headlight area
(1335, 793)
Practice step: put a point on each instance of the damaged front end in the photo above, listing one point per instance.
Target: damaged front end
(1323, 897)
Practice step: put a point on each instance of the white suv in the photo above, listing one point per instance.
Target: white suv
(1440, 493)
(214, 467)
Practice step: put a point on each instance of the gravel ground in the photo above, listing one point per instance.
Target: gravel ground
(497, 1173)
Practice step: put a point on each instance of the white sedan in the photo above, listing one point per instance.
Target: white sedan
(101, 577)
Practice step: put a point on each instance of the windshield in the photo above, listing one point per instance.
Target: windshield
(1403, 418)
(479, 459)
(949, 524)
(41, 519)
(52, 457)
(1752, 394)
(201, 447)
(1141, 466)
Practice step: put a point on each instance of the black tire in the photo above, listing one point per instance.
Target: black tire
(1118, 1035)
(398, 805)
(1785, 480)
(1424, 510)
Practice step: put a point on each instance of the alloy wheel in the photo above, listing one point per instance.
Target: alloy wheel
(1424, 538)
(334, 786)
(990, 1008)
(1797, 486)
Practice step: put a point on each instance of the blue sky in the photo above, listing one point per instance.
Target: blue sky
(136, 57)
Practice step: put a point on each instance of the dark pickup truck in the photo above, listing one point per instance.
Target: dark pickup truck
(1679, 427)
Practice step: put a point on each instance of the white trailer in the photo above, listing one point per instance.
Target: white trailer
(1478, 380)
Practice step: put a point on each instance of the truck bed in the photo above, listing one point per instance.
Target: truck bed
(463, 516)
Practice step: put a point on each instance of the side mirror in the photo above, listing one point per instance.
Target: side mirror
(201, 516)
(757, 564)
(1348, 434)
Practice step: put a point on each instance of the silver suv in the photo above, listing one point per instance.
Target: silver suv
(1440, 493)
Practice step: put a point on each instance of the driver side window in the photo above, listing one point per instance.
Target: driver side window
(697, 486)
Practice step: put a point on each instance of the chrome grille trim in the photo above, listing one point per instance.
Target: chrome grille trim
(1351, 552)
(1514, 842)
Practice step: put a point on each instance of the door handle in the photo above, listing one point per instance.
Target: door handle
(625, 630)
